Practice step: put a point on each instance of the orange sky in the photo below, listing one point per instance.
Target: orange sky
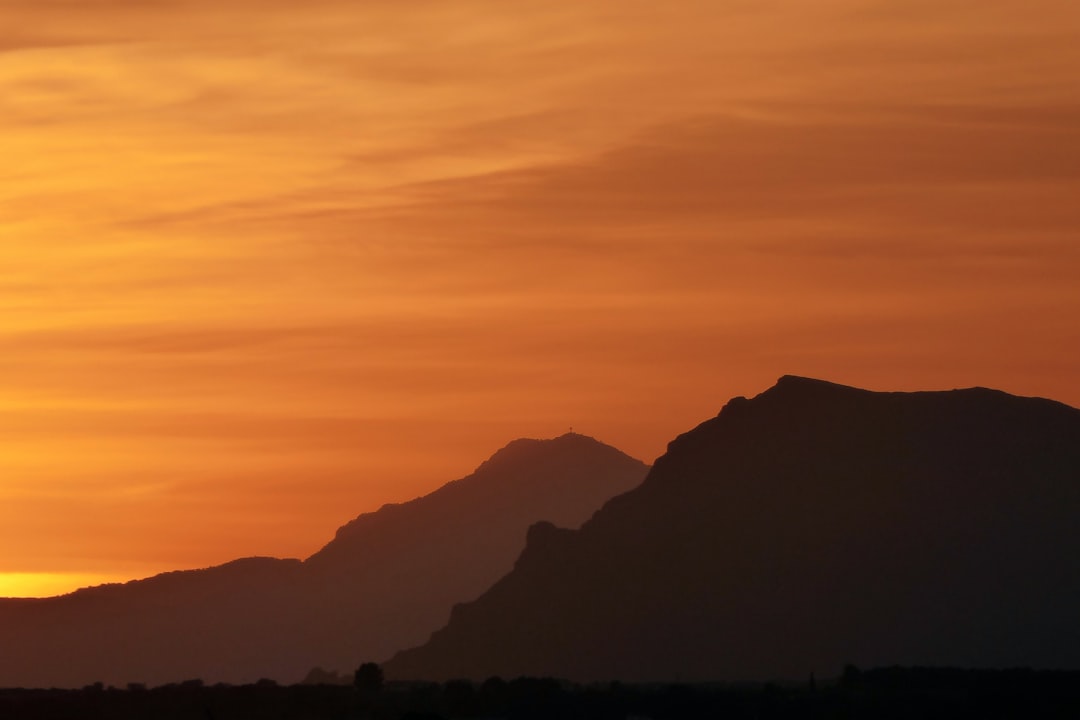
(267, 265)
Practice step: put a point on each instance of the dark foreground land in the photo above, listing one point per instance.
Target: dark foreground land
(881, 693)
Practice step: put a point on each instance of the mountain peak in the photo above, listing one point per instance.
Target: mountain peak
(801, 381)
(528, 450)
(565, 439)
(799, 386)
(566, 477)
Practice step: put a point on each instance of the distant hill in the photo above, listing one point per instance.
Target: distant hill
(384, 583)
(809, 527)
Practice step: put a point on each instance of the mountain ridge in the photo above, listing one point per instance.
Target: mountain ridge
(912, 528)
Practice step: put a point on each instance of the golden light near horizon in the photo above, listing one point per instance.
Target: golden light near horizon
(265, 266)
(36, 585)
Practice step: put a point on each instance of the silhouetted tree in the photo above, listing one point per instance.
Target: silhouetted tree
(851, 677)
(494, 696)
(459, 697)
(368, 678)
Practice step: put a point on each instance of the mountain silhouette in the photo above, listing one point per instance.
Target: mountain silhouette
(812, 526)
(383, 583)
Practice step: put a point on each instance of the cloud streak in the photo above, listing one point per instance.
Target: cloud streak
(252, 245)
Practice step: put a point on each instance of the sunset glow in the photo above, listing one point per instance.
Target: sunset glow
(265, 266)
(50, 584)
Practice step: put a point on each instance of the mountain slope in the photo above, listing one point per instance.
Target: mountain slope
(386, 580)
(808, 527)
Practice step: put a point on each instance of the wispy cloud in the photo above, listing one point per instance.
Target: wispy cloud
(251, 241)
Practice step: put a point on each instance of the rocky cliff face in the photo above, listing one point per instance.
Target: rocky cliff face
(384, 583)
(811, 526)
